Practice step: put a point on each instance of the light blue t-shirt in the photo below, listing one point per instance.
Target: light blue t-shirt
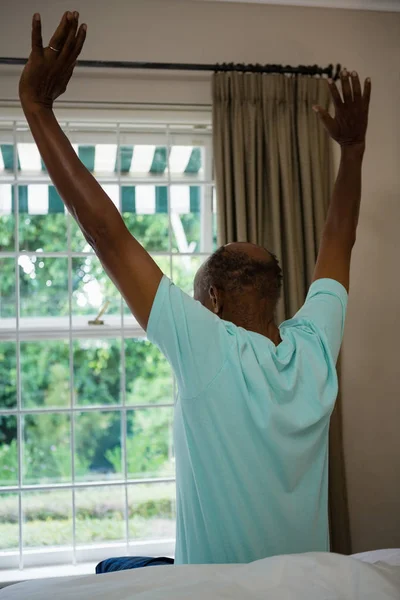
(251, 426)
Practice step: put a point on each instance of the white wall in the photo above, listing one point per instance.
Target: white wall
(184, 31)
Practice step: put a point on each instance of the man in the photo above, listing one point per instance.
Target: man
(254, 402)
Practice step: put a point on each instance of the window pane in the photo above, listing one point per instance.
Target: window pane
(30, 164)
(7, 288)
(100, 159)
(185, 217)
(43, 286)
(151, 511)
(42, 219)
(100, 514)
(184, 269)
(143, 161)
(6, 153)
(148, 374)
(149, 449)
(8, 451)
(186, 162)
(97, 371)
(98, 446)
(145, 212)
(7, 221)
(164, 262)
(45, 374)
(150, 230)
(9, 525)
(47, 453)
(47, 518)
(8, 375)
(91, 290)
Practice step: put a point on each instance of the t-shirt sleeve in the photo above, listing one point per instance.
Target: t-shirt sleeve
(193, 339)
(325, 310)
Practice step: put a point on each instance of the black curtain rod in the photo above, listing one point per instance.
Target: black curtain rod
(330, 71)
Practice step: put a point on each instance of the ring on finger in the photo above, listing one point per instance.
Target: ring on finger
(54, 49)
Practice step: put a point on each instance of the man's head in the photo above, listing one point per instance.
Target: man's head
(240, 282)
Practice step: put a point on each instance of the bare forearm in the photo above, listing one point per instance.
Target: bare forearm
(83, 196)
(339, 234)
(344, 209)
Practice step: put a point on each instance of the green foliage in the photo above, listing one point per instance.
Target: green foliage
(7, 287)
(38, 534)
(43, 232)
(7, 227)
(100, 515)
(46, 383)
(146, 456)
(92, 503)
(9, 463)
(8, 377)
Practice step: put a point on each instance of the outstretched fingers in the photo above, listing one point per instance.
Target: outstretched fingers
(367, 93)
(79, 42)
(335, 94)
(70, 42)
(37, 43)
(356, 85)
(346, 87)
(60, 35)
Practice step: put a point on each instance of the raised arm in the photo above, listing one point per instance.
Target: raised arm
(348, 128)
(44, 78)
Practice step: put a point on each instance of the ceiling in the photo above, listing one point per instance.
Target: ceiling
(381, 5)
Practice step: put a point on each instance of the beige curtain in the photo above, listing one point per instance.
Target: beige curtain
(339, 518)
(273, 172)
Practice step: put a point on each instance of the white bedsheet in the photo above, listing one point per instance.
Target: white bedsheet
(313, 576)
(391, 556)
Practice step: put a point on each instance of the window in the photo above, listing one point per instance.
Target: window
(86, 403)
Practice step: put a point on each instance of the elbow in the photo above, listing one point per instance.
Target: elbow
(93, 237)
(103, 237)
(96, 236)
(91, 230)
(92, 233)
(103, 232)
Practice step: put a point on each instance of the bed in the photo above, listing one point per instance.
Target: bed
(312, 576)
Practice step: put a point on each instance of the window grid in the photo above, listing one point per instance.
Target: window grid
(206, 185)
(71, 385)
(20, 431)
(87, 484)
(123, 373)
(79, 408)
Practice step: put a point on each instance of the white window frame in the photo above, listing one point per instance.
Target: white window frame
(177, 125)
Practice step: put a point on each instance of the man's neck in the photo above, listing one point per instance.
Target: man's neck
(267, 328)
(271, 331)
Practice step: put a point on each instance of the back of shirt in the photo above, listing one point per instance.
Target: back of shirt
(251, 426)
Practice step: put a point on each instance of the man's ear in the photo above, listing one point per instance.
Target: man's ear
(216, 298)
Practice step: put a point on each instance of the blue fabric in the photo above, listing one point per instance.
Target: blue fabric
(131, 562)
(251, 426)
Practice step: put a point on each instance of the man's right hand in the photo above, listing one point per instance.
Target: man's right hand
(349, 126)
